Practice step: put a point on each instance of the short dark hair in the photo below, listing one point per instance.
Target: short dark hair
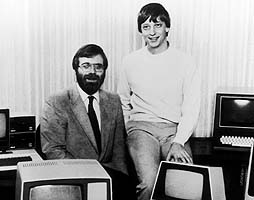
(153, 10)
(89, 51)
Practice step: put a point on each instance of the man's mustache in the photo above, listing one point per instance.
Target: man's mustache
(91, 77)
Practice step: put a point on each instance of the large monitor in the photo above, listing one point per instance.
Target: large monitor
(66, 179)
(179, 181)
(4, 130)
(249, 187)
(234, 119)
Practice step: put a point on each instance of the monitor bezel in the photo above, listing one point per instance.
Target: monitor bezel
(82, 182)
(218, 129)
(250, 174)
(159, 187)
(5, 141)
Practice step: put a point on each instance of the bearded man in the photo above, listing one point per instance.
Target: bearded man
(86, 122)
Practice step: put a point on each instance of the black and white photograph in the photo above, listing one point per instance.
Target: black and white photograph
(127, 99)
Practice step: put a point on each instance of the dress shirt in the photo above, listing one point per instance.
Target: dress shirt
(96, 102)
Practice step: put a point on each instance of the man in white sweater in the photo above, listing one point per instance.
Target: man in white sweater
(159, 88)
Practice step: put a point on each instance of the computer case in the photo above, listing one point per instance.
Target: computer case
(22, 132)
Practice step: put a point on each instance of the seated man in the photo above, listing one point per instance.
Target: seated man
(159, 88)
(86, 122)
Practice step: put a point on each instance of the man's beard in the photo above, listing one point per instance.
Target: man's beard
(90, 83)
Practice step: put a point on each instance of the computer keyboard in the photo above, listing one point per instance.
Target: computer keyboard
(13, 160)
(237, 141)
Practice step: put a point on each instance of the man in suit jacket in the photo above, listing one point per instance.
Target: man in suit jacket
(67, 131)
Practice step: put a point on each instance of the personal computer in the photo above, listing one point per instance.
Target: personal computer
(66, 179)
(181, 181)
(233, 120)
(9, 157)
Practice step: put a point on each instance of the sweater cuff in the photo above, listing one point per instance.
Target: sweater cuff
(177, 140)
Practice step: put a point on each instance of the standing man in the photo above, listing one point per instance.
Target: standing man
(159, 89)
(86, 122)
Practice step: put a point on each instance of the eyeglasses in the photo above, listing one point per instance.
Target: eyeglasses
(88, 66)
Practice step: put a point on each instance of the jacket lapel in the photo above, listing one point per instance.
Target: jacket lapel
(80, 112)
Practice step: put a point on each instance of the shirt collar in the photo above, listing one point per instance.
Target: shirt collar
(84, 95)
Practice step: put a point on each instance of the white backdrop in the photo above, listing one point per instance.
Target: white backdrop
(38, 39)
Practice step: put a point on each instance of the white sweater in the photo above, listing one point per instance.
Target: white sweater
(161, 87)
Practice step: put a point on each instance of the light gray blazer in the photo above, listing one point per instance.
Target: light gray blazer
(66, 131)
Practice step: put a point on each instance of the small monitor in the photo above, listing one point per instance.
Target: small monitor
(4, 130)
(237, 112)
(179, 181)
(66, 179)
(249, 188)
(234, 115)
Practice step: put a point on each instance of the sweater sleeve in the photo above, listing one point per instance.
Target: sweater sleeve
(124, 92)
(190, 105)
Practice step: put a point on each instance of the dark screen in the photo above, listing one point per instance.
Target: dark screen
(237, 112)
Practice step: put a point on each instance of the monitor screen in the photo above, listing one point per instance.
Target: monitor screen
(178, 181)
(237, 112)
(2, 125)
(4, 130)
(71, 192)
(96, 190)
(69, 179)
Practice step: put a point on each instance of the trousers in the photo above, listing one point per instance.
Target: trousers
(148, 144)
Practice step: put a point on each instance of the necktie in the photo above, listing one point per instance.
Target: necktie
(94, 122)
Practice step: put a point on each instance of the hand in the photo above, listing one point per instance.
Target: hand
(177, 153)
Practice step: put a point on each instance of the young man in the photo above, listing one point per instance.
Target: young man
(86, 122)
(160, 92)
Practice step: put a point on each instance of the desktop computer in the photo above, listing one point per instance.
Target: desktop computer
(22, 132)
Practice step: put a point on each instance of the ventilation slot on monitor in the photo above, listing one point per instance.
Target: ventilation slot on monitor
(39, 164)
(79, 162)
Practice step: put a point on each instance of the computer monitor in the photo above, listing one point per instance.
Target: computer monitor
(66, 179)
(249, 187)
(234, 115)
(4, 130)
(179, 181)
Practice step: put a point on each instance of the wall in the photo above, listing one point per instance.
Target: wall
(38, 39)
